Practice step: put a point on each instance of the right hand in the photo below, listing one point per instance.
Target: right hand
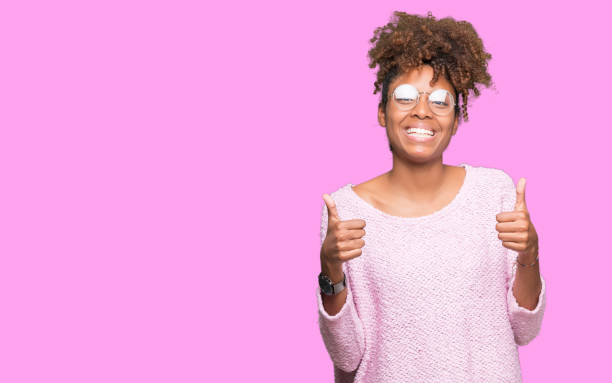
(343, 241)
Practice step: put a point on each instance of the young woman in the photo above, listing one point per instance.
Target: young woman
(429, 272)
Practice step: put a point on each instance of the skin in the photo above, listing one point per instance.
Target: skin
(418, 184)
(517, 232)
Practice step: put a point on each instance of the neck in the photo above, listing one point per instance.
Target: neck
(420, 182)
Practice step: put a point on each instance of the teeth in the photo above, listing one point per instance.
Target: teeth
(420, 131)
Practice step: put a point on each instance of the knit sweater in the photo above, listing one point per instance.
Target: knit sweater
(430, 298)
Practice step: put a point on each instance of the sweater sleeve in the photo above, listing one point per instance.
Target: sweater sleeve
(525, 323)
(343, 334)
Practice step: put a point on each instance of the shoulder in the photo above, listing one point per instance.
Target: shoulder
(341, 194)
(493, 187)
(492, 178)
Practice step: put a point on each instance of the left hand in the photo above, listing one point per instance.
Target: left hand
(516, 231)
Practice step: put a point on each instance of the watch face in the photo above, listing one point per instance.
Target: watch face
(325, 284)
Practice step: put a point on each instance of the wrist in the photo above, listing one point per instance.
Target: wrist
(527, 259)
(333, 271)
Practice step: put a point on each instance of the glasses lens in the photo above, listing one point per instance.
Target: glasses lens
(406, 96)
(441, 101)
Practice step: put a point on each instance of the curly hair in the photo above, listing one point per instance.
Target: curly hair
(452, 48)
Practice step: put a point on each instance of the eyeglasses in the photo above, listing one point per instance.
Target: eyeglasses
(407, 96)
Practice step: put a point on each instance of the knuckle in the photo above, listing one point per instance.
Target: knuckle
(334, 226)
(525, 236)
(335, 247)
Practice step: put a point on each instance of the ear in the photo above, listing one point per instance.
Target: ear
(455, 125)
(381, 116)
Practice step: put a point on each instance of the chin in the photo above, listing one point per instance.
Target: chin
(418, 157)
(422, 160)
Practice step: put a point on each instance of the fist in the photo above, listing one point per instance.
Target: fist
(516, 231)
(344, 238)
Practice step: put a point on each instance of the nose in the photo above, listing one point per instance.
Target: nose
(422, 109)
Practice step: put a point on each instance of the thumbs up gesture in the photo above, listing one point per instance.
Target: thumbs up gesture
(343, 240)
(516, 230)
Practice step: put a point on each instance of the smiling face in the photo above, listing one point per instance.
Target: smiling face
(418, 148)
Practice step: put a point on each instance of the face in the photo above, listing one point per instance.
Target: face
(397, 121)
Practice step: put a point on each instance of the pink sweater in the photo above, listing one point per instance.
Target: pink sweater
(430, 298)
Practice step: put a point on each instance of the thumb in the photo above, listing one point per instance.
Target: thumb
(332, 213)
(521, 204)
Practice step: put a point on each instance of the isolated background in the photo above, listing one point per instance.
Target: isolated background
(162, 166)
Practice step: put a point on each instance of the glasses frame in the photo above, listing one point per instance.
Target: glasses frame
(404, 109)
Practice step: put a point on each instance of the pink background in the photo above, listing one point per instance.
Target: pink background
(162, 167)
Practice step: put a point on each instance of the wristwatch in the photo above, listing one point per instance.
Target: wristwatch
(328, 288)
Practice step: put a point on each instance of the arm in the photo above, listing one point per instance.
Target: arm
(526, 289)
(341, 328)
(526, 321)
